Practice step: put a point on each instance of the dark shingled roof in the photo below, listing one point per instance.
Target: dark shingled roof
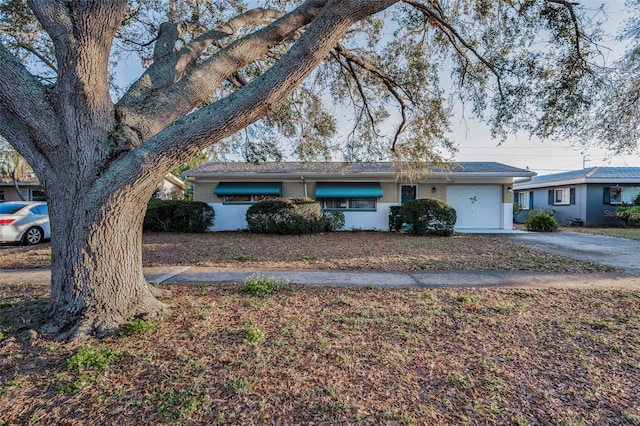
(348, 168)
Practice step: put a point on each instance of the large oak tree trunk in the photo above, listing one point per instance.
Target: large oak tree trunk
(97, 277)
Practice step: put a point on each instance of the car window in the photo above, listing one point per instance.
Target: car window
(10, 208)
(40, 210)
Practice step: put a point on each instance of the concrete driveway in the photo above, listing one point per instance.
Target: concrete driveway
(615, 252)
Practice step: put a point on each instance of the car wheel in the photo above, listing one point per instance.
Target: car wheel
(32, 236)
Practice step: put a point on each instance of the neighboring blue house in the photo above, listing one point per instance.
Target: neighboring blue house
(591, 195)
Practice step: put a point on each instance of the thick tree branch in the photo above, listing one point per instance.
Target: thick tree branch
(148, 106)
(26, 99)
(202, 128)
(450, 31)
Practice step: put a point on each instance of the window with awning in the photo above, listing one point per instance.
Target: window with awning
(361, 196)
(248, 192)
(348, 190)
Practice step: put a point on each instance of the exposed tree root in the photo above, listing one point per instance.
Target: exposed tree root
(94, 323)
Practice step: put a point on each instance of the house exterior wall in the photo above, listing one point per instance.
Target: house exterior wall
(27, 190)
(597, 212)
(231, 217)
(589, 205)
(10, 194)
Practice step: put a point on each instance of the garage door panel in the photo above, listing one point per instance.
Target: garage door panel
(477, 206)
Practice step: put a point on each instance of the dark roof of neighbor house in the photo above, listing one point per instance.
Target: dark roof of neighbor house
(341, 168)
(588, 175)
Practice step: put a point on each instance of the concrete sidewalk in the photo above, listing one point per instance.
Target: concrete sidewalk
(423, 279)
(427, 279)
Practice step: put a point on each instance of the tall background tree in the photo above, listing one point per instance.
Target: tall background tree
(13, 166)
(233, 75)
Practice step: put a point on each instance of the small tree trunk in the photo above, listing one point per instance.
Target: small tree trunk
(97, 278)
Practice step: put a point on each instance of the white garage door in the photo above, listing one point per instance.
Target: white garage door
(477, 206)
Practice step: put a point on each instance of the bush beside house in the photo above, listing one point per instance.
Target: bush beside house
(334, 220)
(288, 216)
(542, 222)
(178, 216)
(426, 216)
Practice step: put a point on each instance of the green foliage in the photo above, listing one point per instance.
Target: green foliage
(636, 201)
(257, 285)
(93, 358)
(333, 220)
(542, 222)
(395, 218)
(629, 214)
(287, 216)
(429, 216)
(138, 326)
(251, 333)
(178, 216)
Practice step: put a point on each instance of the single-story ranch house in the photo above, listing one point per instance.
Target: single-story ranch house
(480, 192)
(590, 195)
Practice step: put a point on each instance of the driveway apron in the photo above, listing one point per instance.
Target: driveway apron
(616, 252)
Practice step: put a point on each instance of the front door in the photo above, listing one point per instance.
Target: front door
(408, 193)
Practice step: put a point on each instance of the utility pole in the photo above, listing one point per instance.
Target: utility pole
(585, 160)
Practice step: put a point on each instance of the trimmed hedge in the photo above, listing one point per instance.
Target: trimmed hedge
(428, 216)
(178, 216)
(287, 216)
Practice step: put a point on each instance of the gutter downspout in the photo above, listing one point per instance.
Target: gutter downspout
(306, 191)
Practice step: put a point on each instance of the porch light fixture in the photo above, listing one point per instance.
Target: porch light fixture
(434, 189)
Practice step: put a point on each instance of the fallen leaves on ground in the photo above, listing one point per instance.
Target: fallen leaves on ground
(338, 356)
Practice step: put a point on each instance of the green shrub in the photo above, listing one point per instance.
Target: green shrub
(333, 220)
(429, 216)
(542, 222)
(395, 218)
(287, 216)
(629, 214)
(178, 216)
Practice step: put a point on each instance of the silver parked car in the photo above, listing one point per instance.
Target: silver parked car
(24, 221)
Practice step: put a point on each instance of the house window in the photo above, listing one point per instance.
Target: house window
(621, 194)
(358, 196)
(37, 195)
(347, 203)
(562, 196)
(250, 198)
(247, 192)
(523, 199)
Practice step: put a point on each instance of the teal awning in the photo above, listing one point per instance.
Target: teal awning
(248, 188)
(348, 190)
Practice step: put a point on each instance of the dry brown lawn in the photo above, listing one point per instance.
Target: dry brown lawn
(328, 356)
(325, 356)
(370, 251)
